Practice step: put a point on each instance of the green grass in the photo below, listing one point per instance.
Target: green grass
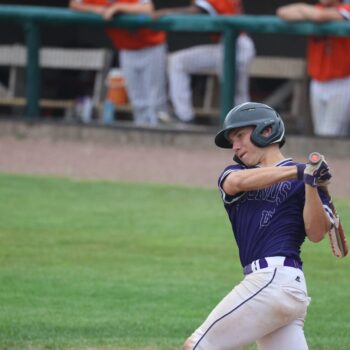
(98, 264)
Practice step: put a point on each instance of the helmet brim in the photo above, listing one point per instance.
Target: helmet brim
(221, 140)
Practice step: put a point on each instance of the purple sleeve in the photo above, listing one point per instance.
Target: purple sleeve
(227, 199)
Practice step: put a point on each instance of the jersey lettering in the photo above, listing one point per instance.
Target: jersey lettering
(274, 194)
(266, 217)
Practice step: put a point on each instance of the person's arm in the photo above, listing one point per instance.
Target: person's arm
(192, 9)
(305, 12)
(128, 8)
(80, 6)
(255, 179)
(316, 221)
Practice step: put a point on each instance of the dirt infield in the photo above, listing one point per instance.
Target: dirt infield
(31, 152)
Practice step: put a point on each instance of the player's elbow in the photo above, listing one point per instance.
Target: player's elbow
(316, 224)
(233, 185)
(315, 234)
(315, 237)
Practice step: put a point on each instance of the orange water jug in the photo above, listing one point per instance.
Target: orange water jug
(116, 90)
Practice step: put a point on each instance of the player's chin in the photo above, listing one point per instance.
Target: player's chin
(245, 159)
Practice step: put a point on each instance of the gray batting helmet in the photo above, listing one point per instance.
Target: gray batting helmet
(253, 114)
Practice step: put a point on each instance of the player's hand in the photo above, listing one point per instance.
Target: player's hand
(325, 178)
(110, 11)
(317, 173)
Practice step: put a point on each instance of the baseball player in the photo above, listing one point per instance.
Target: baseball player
(273, 204)
(142, 56)
(328, 66)
(183, 63)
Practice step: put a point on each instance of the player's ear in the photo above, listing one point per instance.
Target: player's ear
(267, 131)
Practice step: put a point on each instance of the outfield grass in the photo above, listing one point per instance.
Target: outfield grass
(98, 264)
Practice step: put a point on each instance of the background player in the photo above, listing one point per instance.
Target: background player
(273, 203)
(201, 58)
(328, 66)
(142, 56)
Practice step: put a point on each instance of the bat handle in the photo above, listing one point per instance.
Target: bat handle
(314, 158)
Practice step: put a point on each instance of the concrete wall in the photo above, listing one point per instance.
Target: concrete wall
(193, 139)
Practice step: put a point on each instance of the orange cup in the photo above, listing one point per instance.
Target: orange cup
(116, 90)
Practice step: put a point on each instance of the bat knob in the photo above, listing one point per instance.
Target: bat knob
(314, 158)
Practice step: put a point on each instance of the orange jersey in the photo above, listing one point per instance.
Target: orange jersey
(227, 7)
(329, 56)
(130, 39)
(219, 7)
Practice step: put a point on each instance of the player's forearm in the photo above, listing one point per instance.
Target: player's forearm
(255, 179)
(134, 8)
(305, 12)
(79, 6)
(177, 10)
(316, 220)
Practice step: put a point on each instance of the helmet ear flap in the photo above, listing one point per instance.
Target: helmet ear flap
(257, 136)
(261, 140)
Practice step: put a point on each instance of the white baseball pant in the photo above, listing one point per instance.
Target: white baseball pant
(183, 63)
(268, 306)
(144, 71)
(330, 106)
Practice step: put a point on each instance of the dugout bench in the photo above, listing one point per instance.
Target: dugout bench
(293, 90)
(14, 57)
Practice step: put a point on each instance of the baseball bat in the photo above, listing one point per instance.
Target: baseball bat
(336, 234)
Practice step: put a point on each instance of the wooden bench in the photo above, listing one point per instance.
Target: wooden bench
(295, 88)
(79, 59)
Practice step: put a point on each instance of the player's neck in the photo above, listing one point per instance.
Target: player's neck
(272, 156)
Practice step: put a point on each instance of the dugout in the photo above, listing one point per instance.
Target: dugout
(91, 36)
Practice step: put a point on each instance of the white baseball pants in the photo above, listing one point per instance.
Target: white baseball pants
(268, 306)
(144, 71)
(183, 63)
(330, 106)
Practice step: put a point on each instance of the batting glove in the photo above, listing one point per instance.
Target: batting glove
(317, 174)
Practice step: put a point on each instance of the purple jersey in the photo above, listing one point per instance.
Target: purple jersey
(268, 222)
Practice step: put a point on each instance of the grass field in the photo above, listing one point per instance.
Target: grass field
(128, 266)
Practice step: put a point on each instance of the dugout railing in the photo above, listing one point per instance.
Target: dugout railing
(30, 18)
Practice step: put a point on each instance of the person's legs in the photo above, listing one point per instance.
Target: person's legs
(262, 303)
(155, 81)
(337, 115)
(182, 64)
(245, 53)
(318, 107)
(331, 107)
(291, 336)
(135, 84)
(244, 57)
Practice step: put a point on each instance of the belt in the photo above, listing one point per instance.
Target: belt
(273, 261)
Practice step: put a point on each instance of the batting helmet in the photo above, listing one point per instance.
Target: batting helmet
(253, 114)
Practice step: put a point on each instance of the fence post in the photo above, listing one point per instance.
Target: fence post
(33, 78)
(228, 76)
